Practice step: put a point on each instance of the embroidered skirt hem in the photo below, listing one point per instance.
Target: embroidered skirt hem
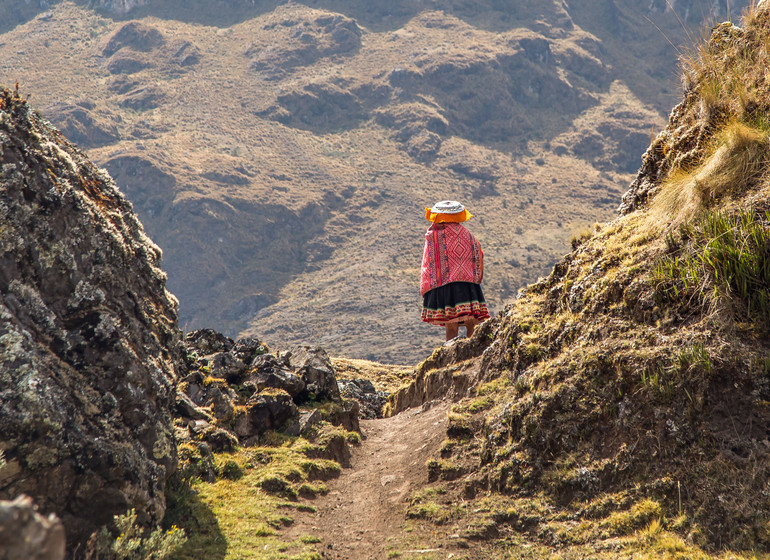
(454, 303)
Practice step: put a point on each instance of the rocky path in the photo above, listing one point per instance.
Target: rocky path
(362, 515)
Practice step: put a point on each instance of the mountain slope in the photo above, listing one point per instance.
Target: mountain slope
(619, 406)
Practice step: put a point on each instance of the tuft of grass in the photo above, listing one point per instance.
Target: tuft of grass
(494, 386)
(693, 358)
(354, 438)
(430, 505)
(641, 514)
(217, 381)
(307, 490)
(229, 469)
(480, 404)
(724, 257)
(459, 426)
(580, 237)
(309, 539)
(443, 470)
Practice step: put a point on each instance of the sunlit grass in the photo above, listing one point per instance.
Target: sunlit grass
(241, 515)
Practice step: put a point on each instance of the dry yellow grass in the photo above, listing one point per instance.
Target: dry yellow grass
(738, 161)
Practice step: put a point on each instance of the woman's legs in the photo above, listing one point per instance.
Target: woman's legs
(451, 330)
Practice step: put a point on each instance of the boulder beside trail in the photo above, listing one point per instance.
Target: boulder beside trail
(89, 342)
(314, 367)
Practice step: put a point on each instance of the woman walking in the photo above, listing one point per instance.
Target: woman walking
(452, 270)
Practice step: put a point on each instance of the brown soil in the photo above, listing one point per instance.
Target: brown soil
(362, 516)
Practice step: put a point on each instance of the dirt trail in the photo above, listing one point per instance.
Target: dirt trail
(364, 509)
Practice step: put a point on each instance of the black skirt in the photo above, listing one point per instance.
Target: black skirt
(453, 303)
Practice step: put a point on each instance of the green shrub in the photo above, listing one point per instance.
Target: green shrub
(130, 544)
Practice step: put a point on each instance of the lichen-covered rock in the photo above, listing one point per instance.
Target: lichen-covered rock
(89, 343)
(312, 364)
(27, 535)
(370, 400)
(270, 410)
(269, 372)
(208, 341)
(243, 390)
(346, 414)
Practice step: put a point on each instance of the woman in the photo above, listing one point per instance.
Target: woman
(452, 269)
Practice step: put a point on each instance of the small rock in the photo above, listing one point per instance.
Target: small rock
(308, 419)
(273, 410)
(208, 341)
(269, 372)
(27, 535)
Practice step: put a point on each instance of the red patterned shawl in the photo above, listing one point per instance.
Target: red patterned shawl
(451, 254)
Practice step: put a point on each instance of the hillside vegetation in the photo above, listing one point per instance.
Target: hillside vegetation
(620, 408)
(281, 153)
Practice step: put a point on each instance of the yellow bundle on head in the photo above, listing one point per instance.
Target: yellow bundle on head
(447, 211)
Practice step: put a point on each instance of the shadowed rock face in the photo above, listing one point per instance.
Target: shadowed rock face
(88, 336)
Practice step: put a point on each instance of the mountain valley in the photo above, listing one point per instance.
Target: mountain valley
(281, 153)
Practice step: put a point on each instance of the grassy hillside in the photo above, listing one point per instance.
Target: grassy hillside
(281, 154)
(621, 405)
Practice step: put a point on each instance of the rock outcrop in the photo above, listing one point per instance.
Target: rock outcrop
(89, 343)
(237, 391)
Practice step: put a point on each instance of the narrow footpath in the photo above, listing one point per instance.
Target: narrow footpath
(362, 516)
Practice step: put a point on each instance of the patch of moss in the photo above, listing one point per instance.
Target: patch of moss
(443, 470)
